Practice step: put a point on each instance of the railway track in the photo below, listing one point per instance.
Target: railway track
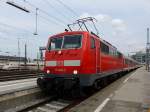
(16, 75)
(61, 105)
(38, 102)
(56, 103)
(48, 104)
(51, 106)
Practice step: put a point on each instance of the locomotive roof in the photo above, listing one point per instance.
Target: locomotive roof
(104, 41)
(81, 32)
(70, 32)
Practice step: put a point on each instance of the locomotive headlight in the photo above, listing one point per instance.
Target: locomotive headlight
(75, 72)
(48, 71)
(59, 52)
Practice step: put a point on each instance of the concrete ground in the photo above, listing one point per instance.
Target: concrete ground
(19, 94)
(17, 85)
(131, 93)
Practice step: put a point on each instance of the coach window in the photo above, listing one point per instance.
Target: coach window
(92, 43)
(104, 48)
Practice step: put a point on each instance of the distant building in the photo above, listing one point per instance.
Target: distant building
(140, 57)
(4, 59)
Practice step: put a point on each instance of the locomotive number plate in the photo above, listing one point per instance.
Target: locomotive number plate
(59, 70)
(60, 63)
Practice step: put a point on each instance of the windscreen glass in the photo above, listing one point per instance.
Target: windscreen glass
(55, 43)
(65, 42)
(72, 41)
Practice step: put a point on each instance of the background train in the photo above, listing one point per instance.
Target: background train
(16, 66)
(83, 59)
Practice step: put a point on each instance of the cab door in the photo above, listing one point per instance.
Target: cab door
(98, 56)
(92, 60)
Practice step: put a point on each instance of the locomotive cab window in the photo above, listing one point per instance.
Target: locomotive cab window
(55, 43)
(92, 41)
(66, 42)
(72, 41)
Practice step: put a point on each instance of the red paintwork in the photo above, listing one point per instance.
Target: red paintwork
(88, 57)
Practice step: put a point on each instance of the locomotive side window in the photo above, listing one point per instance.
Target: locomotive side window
(111, 51)
(126, 61)
(55, 43)
(104, 48)
(92, 43)
(72, 41)
(115, 53)
(119, 54)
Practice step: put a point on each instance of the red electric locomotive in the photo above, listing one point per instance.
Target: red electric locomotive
(80, 58)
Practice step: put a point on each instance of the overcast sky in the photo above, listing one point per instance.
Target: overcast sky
(121, 22)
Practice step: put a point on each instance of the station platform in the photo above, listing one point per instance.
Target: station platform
(130, 93)
(17, 85)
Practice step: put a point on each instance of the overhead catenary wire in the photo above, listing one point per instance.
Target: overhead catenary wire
(49, 20)
(8, 31)
(13, 32)
(21, 30)
(48, 14)
(56, 9)
(68, 8)
(59, 21)
(13, 27)
(50, 17)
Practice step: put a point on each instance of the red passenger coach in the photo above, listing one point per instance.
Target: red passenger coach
(80, 58)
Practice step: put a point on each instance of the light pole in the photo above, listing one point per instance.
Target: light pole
(38, 67)
(36, 21)
(19, 52)
(0, 51)
(148, 52)
(25, 60)
(7, 56)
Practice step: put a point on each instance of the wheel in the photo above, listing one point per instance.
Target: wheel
(41, 83)
(97, 85)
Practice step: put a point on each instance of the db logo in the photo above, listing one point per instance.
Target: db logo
(60, 63)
